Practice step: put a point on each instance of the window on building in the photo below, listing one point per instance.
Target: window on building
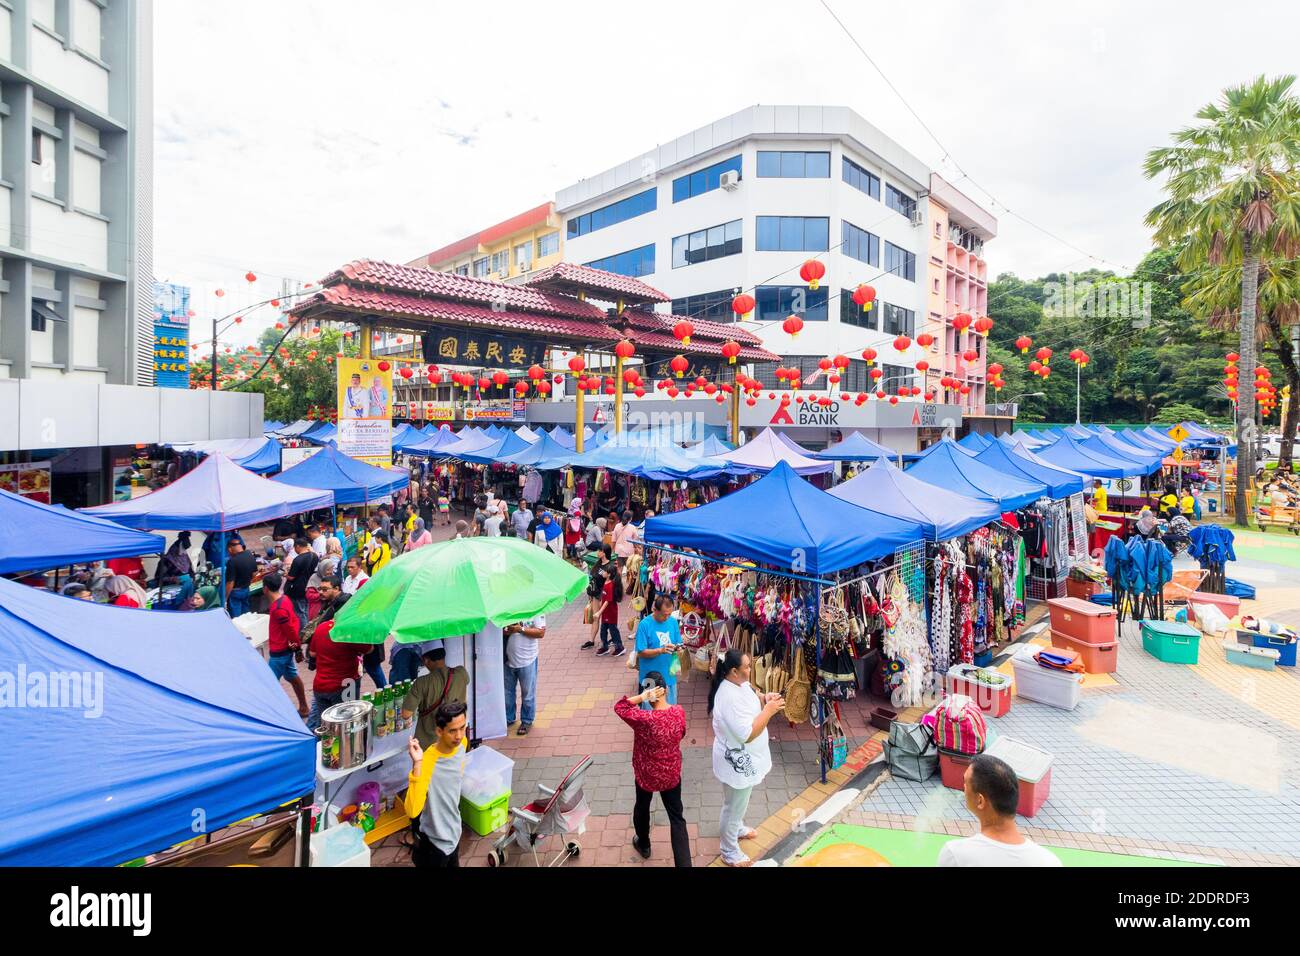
(703, 180)
(899, 201)
(481, 268)
(793, 233)
(793, 164)
(896, 320)
(896, 377)
(615, 212)
(860, 179)
(936, 286)
(938, 229)
(524, 256)
(462, 270)
(776, 303)
(548, 245)
(715, 306)
(851, 313)
(900, 262)
(860, 244)
(704, 244)
(501, 261)
(37, 152)
(634, 262)
(42, 315)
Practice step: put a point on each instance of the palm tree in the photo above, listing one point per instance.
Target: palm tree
(1231, 197)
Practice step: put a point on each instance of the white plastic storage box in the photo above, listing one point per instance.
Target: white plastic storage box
(488, 775)
(340, 845)
(1047, 686)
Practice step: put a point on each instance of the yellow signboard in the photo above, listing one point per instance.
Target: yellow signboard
(365, 420)
(1179, 434)
(1178, 454)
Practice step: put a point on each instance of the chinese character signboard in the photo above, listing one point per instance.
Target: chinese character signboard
(472, 347)
(433, 412)
(30, 481)
(365, 425)
(171, 318)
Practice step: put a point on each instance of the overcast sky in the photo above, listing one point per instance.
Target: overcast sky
(294, 136)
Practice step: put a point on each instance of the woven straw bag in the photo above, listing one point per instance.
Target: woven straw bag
(798, 692)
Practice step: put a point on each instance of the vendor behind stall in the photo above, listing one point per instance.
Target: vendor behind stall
(432, 690)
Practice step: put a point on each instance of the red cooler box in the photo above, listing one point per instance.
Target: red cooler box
(993, 701)
(1033, 768)
(1093, 623)
(952, 769)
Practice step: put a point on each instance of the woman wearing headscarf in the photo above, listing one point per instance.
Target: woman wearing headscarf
(420, 536)
(331, 565)
(595, 534)
(126, 593)
(204, 599)
(549, 534)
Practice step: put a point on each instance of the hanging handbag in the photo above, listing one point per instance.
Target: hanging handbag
(798, 692)
(834, 744)
(759, 671)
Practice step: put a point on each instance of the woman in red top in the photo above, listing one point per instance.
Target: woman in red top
(126, 593)
(657, 764)
(338, 665)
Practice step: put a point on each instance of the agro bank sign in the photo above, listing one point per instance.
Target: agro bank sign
(848, 415)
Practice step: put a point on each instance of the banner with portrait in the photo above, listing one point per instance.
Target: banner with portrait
(365, 413)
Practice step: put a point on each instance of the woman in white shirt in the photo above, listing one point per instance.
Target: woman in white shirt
(741, 757)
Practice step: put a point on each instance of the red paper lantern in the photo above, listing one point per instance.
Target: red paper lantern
(880, 393)
(1233, 357)
(610, 390)
(384, 366)
(701, 381)
(500, 378)
(629, 377)
(925, 340)
(1023, 343)
(812, 272)
(743, 304)
(995, 369)
(683, 330)
(219, 293)
(833, 379)
(576, 364)
(929, 396)
(720, 399)
(961, 321)
(750, 402)
(1046, 371)
(625, 349)
(792, 326)
(864, 295)
(876, 373)
(679, 365)
(484, 383)
(639, 392)
(983, 325)
(250, 277)
(279, 326)
(731, 350)
(1076, 354)
(521, 388)
(1044, 355)
(970, 355)
(841, 361)
(709, 388)
(869, 356)
(893, 399)
(672, 391)
(435, 377)
(902, 343)
(1035, 366)
(824, 364)
(922, 366)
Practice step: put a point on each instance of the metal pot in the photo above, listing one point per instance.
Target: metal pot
(345, 735)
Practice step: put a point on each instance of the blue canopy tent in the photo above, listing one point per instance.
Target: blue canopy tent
(951, 467)
(34, 537)
(885, 489)
(432, 429)
(1141, 439)
(767, 449)
(466, 441)
(272, 426)
(1060, 484)
(781, 515)
(562, 436)
(1199, 432)
(1062, 474)
(1131, 446)
(322, 435)
(353, 482)
(545, 454)
(432, 446)
(1108, 445)
(711, 447)
(180, 723)
(405, 435)
(258, 455)
(1156, 435)
(296, 429)
(1103, 429)
(506, 444)
(854, 447)
(1070, 454)
(974, 442)
(1020, 439)
(655, 462)
(1079, 431)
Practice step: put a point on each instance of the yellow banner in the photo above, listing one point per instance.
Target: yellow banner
(365, 421)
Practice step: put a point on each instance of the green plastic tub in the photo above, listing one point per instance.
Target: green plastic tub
(1171, 641)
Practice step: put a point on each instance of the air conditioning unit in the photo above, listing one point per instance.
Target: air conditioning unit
(916, 215)
(730, 180)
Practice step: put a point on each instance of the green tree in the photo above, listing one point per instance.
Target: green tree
(1228, 198)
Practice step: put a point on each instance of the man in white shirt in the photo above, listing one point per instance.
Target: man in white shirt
(522, 648)
(355, 577)
(992, 792)
(316, 539)
(492, 524)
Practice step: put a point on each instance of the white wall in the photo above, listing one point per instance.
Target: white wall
(85, 25)
(43, 12)
(6, 34)
(85, 337)
(85, 181)
(5, 237)
(69, 236)
(68, 71)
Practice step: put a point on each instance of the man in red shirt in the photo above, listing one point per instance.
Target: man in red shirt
(284, 646)
(657, 764)
(337, 663)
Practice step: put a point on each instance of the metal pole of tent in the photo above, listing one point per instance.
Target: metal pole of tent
(821, 714)
(225, 599)
(1078, 385)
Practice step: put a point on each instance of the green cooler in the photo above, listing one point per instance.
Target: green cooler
(1171, 641)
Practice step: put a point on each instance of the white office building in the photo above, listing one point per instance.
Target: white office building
(743, 202)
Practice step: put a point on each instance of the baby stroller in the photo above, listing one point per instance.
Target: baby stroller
(559, 812)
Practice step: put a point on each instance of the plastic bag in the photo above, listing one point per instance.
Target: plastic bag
(1210, 619)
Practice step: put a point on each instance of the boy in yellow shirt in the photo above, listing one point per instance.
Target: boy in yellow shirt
(433, 789)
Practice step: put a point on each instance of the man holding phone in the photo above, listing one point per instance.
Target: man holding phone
(658, 637)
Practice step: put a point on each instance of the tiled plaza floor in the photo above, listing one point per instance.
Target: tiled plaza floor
(1199, 762)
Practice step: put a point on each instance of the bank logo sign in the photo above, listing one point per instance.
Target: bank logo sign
(872, 414)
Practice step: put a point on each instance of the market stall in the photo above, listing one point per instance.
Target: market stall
(169, 740)
(855, 446)
(34, 537)
(352, 482)
(259, 455)
(768, 449)
(947, 465)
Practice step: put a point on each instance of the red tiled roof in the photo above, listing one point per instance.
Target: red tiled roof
(447, 285)
(491, 234)
(607, 286)
(346, 296)
(640, 318)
